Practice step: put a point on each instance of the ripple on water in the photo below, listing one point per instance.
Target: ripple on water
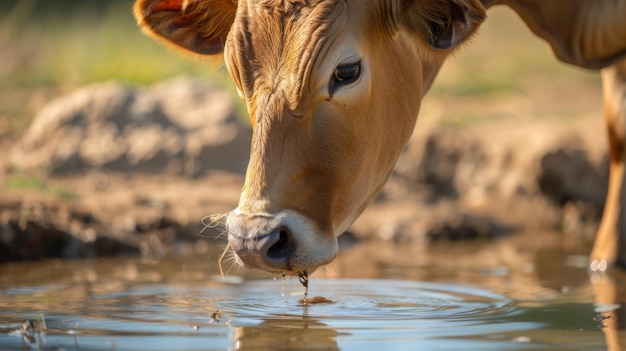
(366, 298)
(265, 314)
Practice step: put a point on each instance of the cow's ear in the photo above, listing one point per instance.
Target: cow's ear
(198, 26)
(443, 24)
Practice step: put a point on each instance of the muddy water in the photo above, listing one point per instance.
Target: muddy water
(507, 294)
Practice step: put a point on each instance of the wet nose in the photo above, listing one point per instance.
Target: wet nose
(271, 250)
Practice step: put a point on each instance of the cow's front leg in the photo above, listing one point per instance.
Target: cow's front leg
(610, 244)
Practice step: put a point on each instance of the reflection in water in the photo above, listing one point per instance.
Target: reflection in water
(292, 334)
(491, 296)
(610, 294)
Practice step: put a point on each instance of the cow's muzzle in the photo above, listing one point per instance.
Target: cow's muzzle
(284, 243)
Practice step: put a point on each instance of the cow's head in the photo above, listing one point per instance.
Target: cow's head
(333, 89)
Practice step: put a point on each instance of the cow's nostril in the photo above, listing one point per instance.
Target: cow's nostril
(283, 248)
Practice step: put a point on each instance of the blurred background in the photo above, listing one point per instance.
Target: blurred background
(48, 49)
(508, 139)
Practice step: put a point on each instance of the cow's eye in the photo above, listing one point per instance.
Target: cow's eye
(344, 74)
(347, 73)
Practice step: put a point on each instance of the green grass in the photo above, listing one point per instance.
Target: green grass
(28, 182)
(84, 47)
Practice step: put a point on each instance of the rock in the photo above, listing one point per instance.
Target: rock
(183, 126)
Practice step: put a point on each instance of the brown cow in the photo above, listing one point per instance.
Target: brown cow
(333, 89)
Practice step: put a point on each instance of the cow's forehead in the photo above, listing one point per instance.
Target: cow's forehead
(275, 44)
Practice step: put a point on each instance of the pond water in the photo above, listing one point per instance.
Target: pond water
(467, 296)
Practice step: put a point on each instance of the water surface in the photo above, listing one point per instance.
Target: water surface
(453, 302)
